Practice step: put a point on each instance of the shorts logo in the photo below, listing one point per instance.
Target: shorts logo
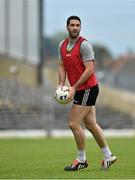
(76, 102)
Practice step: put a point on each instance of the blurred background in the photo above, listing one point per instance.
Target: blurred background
(30, 31)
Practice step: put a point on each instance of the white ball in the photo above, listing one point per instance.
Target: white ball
(61, 95)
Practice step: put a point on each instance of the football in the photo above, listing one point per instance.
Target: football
(61, 95)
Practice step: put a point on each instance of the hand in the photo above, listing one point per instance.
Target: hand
(72, 91)
(59, 86)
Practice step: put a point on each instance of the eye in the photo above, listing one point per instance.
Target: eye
(72, 25)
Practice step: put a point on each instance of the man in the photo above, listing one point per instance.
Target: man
(77, 62)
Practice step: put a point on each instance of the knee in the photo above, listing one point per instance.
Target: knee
(72, 125)
(90, 125)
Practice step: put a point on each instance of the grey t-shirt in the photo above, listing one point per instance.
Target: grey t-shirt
(86, 50)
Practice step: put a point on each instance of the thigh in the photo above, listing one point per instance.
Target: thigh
(90, 118)
(78, 113)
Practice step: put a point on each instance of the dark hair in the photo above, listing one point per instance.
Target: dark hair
(73, 17)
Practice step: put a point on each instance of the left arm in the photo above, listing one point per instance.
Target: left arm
(85, 75)
(83, 78)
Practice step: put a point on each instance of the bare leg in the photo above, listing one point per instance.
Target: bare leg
(76, 117)
(94, 128)
(97, 132)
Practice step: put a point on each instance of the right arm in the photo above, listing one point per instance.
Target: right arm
(61, 73)
(61, 69)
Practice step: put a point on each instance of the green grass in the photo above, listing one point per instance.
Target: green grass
(46, 158)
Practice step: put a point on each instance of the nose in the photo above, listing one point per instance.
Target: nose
(76, 27)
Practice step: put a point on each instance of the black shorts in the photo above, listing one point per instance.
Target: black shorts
(86, 97)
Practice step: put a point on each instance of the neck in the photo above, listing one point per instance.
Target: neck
(73, 39)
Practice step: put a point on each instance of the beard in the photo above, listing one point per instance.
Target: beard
(74, 34)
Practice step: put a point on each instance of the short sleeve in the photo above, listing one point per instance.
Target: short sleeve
(86, 51)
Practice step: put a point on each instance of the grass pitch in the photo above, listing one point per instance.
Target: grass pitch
(46, 158)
